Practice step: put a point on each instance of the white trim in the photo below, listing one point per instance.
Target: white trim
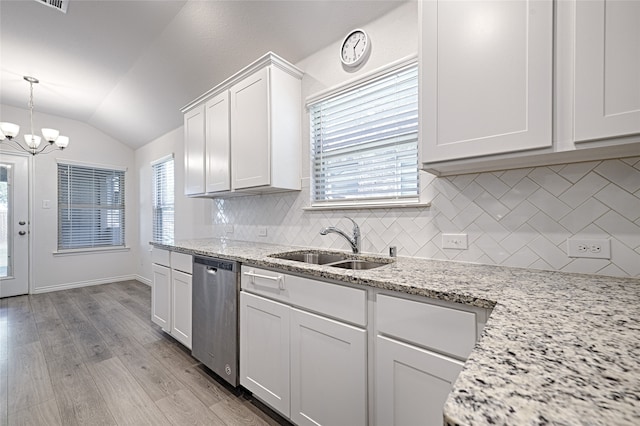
(88, 283)
(94, 250)
(6, 150)
(163, 159)
(93, 165)
(360, 80)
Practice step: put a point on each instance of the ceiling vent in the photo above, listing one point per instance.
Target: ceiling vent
(60, 5)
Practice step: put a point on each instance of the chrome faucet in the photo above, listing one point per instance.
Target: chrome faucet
(354, 241)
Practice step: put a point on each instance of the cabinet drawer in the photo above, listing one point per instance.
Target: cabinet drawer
(182, 262)
(341, 302)
(161, 257)
(442, 329)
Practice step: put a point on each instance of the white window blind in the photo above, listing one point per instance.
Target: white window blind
(90, 207)
(365, 141)
(163, 201)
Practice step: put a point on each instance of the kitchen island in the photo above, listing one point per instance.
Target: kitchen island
(558, 348)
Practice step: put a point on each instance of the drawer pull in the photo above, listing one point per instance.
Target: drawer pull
(253, 276)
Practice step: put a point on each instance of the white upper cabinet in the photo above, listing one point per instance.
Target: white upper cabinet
(486, 77)
(607, 69)
(266, 117)
(194, 137)
(248, 129)
(218, 144)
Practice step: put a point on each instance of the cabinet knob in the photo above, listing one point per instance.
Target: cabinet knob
(21, 233)
(22, 222)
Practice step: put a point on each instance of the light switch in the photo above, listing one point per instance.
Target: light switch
(46, 204)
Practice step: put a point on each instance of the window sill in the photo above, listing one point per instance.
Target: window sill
(367, 206)
(74, 252)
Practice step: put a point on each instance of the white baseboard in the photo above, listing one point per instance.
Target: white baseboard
(77, 284)
(143, 280)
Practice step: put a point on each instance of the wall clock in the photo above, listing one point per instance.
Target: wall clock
(355, 48)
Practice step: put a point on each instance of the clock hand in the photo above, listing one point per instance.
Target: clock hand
(354, 46)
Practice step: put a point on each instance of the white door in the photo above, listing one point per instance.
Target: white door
(485, 77)
(328, 371)
(14, 225)
(607, 69)
(181, 298)
(161, 296)
(250, 153)
(218, 144)
(412, 384)
(194, 140)
(264, 350)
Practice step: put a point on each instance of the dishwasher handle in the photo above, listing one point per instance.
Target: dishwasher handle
(279, 279)
(211, 270)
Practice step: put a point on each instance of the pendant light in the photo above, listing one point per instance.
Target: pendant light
(8, 131)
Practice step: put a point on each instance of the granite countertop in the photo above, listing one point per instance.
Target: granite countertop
(558, 348)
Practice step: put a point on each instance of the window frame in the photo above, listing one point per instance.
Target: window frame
(108, 212)
(362, 203)
(154, 197)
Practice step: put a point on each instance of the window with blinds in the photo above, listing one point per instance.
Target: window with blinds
(365, 142)
(90, 207)
(163, 201)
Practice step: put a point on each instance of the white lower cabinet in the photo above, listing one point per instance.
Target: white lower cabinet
(171, 293)
(420, 349)
(161, 296)
(412, 384)
(264, 350)
(328, 371)
(306, 347)
(181, 290)
(309, 367)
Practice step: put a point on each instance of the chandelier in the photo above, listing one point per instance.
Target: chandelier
(9, 131)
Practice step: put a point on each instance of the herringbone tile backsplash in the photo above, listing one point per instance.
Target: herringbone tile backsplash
(517, 217)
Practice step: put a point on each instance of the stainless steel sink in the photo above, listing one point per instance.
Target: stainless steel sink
(338, 260)
(317, 258)
(358, 264)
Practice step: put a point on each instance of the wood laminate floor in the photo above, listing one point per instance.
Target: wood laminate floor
(92, 356)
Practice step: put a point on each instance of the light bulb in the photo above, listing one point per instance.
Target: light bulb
(50, 135)
(32, 140)
(62, 142)
(10, 130)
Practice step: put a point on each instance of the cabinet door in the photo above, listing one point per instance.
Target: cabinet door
(218, 173)
(161, 297)
(264, 350)
(412, 384)
(194, 137)
(250, 131)
(486, 77)
(607, 69)
(181, 307)
(328, 371)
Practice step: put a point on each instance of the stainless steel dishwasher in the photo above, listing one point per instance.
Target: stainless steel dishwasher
(215, 316)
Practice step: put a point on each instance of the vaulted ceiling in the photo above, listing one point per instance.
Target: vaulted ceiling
(127, 67)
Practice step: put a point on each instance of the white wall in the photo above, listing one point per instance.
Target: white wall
(86, 145)
(517, 218)
(192, 215)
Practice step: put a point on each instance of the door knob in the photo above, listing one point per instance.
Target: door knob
(21, 233)
(22, 222)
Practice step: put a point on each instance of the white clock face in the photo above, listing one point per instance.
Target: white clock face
(354, 48)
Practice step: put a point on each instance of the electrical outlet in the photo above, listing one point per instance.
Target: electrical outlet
(594, 249)
(454, 241)
(262, 231)
(228, 229)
